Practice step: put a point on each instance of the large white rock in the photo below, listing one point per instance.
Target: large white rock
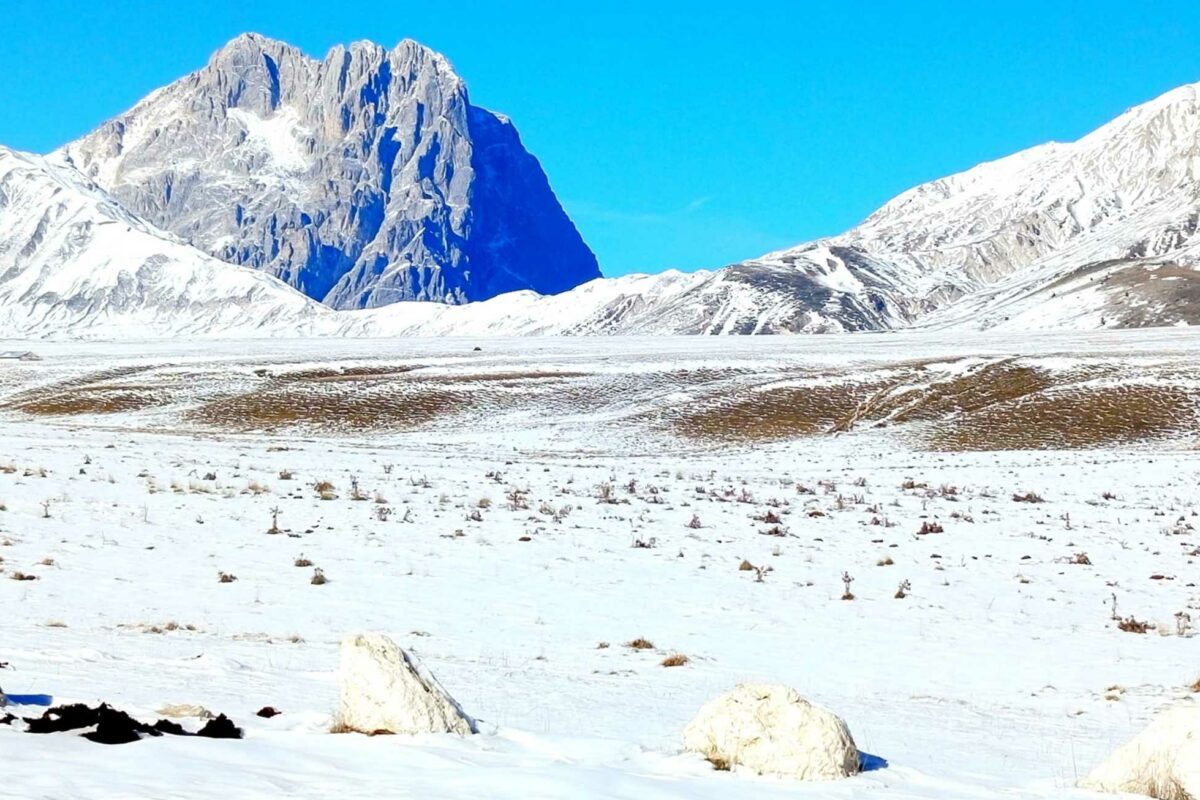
(772, 730)
(385, 690)
(1162, 761)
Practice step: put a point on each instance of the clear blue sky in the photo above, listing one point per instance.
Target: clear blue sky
(677, 134)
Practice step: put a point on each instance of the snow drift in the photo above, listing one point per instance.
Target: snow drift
(1162, 761)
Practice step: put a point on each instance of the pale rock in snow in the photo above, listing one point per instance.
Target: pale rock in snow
(385, 690)
(1162, 761)
(772, 730)
(186, 710)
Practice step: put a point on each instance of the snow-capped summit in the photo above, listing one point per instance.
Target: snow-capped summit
(361, 179)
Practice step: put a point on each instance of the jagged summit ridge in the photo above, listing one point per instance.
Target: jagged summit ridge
(362, 179)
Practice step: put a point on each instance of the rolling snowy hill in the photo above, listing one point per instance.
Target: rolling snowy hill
(73, 261)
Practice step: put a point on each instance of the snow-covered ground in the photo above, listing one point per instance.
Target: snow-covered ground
(504, 556)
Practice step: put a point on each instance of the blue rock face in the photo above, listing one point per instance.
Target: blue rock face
(363, 179)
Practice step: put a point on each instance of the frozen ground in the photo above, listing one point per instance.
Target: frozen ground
(500, 543)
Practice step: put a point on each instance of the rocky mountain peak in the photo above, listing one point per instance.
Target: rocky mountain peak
(362, 179)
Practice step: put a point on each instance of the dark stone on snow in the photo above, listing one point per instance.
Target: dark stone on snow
(64, 718)
(220, 728)
(168, 726)
(117, 727)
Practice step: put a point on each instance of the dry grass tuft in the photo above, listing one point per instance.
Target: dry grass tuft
(640, 644)
(1131, 625)
(676, 660)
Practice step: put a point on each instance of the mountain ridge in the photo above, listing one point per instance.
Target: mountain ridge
(1099, 232)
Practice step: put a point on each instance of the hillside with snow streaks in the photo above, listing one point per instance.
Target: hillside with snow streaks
(73, 261)
(1060, 235)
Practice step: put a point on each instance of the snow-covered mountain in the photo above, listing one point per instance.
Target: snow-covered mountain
(1101, 232)
(75, 262)
(72, 260)
(1058, 235)
(1096, 233)
(362, 179)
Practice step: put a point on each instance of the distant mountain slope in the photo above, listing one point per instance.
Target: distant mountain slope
(362, 179)
(73, 261)
(1124, 196)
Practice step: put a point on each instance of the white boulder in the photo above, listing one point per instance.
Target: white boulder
(385, 690)
(1161, 761)
(772, 730)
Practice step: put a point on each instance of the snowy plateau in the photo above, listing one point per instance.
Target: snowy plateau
(519, 515)
(316, 413)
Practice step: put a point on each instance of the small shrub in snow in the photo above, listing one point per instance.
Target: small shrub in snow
(1028, 497)
(846, 581)
(518, 499)
(302, 562)
(318, 578)
(640, 644)
(1132, 625)
(226, 577)
(676, 660)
